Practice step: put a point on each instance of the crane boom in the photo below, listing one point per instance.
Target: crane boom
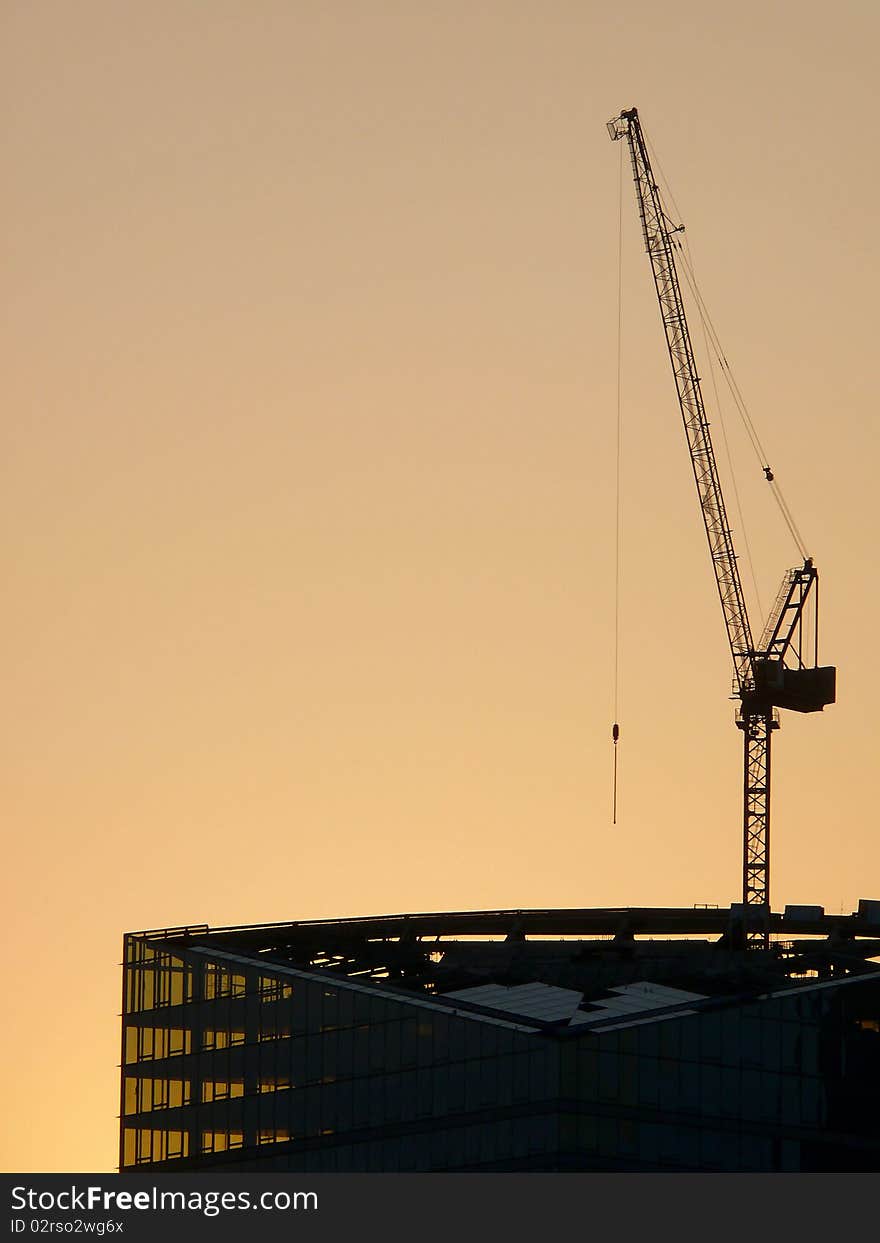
(763, 681)
(658, 243)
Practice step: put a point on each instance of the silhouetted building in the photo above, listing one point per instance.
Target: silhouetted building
(506, 1040)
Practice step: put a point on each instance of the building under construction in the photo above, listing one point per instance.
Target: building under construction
(654, 1039)
(696, 1039)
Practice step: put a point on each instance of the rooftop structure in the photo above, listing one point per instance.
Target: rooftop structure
(502, 1040)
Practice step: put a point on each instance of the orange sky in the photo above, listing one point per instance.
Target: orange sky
(309, 372)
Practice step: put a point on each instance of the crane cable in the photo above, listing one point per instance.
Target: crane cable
(615, 728)
(739, 402)
(728, 455)
(736, 394)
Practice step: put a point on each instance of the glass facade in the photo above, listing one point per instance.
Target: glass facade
(246, 1065)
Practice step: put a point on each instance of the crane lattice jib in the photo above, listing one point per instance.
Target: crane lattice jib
(659, 244)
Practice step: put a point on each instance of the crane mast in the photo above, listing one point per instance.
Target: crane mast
(763, 681)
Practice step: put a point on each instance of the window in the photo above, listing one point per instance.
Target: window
(269, 1030)
(137, 951)
(273, 1136)
(274, 990)
(140, 1145)
(425, 1090)
(173, 984)
(142, 1095)
(221, 1039)
(220, 982)
(165, 983)
(628, 1080)
(221, 1141)
(139, 991)
(609, 1086)
(408, 1042)
(279, 1083)
(148, 1043)
(377, 1047)
(222, 1089)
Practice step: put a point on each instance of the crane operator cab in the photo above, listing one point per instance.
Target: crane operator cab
(775, 684)
(802, 690)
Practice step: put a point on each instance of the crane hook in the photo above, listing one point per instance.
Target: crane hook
(615, 734)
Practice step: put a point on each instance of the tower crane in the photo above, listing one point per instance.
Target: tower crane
(777, 671)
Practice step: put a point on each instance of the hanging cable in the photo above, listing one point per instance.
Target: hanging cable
(615, 729)
(615, 735)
